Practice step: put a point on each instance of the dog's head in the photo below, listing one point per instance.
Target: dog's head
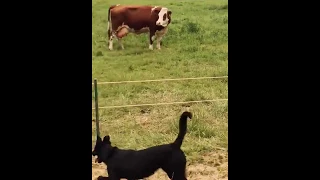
(102, 149)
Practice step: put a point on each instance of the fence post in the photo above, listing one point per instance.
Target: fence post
(96, 106)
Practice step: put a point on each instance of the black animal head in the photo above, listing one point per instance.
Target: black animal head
(102, 149)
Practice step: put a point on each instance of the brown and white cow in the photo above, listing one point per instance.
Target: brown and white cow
(124, 19)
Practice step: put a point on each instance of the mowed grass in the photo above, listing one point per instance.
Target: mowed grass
(196, 45)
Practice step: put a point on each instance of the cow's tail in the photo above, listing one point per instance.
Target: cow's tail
(182, 128)
(109, 20)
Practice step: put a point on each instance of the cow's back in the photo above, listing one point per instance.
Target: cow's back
(136, 17)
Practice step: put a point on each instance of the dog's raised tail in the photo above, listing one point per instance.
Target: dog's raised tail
(182, 128)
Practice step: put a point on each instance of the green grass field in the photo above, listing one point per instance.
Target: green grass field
(196, 45)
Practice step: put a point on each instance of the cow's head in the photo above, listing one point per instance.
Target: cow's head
(164, 16)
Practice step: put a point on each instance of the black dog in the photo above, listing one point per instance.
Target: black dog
(132, 164)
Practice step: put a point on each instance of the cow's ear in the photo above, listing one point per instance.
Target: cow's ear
(169, 13)
(156, 11)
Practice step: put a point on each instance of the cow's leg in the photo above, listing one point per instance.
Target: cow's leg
(159, 38)
(111, 42)
(124, 31)
(160, 35)
(152, 38)
(120, 43)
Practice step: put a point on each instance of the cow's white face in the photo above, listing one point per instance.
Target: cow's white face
(164, 17)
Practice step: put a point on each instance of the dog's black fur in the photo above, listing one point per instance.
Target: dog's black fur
(132, 164)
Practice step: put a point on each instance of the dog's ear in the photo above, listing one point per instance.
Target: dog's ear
(106, 139)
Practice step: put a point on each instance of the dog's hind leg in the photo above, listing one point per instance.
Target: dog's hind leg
(169, 172)
(179, 177)
(179, 173)
(102, 178)
(112, 175)
(113, 178)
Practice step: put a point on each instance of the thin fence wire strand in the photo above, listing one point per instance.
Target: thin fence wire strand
(168, 103)
(159, 80)
(158, 104)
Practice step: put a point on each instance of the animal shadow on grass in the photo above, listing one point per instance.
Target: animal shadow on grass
(139, 164)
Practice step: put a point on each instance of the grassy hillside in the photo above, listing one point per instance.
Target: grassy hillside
(196, 45)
